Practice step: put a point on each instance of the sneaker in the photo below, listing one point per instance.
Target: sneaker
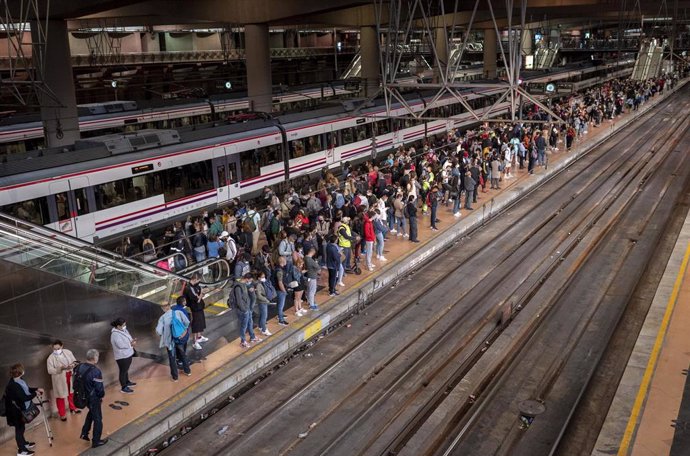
(85, 437)
(341, 284)
(77, 411)
(267, 333)
(406, 235)
(202, 339)
(244, 344)
(457, 214)
(130, 384)
(127, 390)
(255, 340)
(62, 418)
(283, 323)
(314, 308)
(174, 380)
(394, 231)
(99, 443)
(399, 234)
(434, 229)
(197, 346)
(30, 445)
(188, 374)
(25, 453)
(371, 268)
(383, 258)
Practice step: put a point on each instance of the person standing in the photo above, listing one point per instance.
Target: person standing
(240, 291)
(175, 344)
(18, 397)
(262, 300)
(312, 274)
(254, 219)
(495, 172)
(279, 274)
(470, 188)
(411, 210)
(93, 383)
(332, 264)
(434, 198)
(123, 350)
(60, 364)
(194, 297)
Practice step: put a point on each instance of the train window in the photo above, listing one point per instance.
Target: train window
(305, 146)
(296, 148)
(348, 135)
(222, 179)
(232, 173)
(62, 206)
(81, 201)
(252, 160)
(383, 127)
(34, 211)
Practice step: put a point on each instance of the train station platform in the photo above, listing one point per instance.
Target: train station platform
(650, 413)
(159, 409)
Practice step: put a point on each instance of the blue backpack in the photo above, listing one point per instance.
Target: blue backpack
(180, 332)
(271, 293)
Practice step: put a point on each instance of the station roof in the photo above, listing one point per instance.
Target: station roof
(336, 13)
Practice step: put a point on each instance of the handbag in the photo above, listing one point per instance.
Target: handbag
(30, 414)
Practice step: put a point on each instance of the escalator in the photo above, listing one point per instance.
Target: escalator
(53, 286)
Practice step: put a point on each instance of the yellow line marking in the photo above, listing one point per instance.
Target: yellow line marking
(312, 329)
(654, 356)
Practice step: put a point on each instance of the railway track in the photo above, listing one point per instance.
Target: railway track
(438, 364)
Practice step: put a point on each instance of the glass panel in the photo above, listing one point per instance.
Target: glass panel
(81, 201)
(232, 173)
(222, 180)
(252, 160)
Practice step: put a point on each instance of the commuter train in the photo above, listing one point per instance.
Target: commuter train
(107, 186)
(17, 134)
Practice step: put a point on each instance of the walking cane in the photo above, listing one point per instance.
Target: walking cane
(49, 431)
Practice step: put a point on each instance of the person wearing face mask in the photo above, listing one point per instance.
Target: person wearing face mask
(263, 300)
(18, 397)
(60, 364)
(123, 350)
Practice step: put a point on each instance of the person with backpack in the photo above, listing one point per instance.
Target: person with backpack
(60, 364)
(274, 228)
(173, 329)
(241, 302)
(265, 294)
(199, 241)
(88, 386)
(312, 275)
(243, 266)
(18, 397)
(253, 220)
(148, 249)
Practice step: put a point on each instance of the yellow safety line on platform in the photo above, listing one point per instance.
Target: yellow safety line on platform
(654, 356)
(312, 329)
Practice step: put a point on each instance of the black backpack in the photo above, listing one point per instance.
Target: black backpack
(81, 392)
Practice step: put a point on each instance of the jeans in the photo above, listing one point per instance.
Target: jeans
(123, 366)
(468, 199)
(281, 304)
(341, 272)
(379, 244)
(245, 324)
(434, 208)
(179, 351)
(180, 262)
(400, 222)
(348, 252)
(370, 251)
(311, 292)
(19, 429)
(94, 416)
(542, 154)
(332, 280)
(391, 221)
(456, 204)
(413, 228)
(263, 315)
(199, 254)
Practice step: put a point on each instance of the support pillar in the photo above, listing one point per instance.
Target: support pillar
(368, 48)
(526, 42)
(441, 44)
(258, 58)
(57, 95)
(490, 54)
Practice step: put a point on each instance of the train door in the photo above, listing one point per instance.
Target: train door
(234, 175)
(331, 144)
(81, 208)
(58, 205)
(221, 175)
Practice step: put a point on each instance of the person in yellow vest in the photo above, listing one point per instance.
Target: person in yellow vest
(345, 240)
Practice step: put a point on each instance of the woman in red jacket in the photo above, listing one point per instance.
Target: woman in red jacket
(369, 237)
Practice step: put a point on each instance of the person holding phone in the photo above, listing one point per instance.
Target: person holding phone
(60, 364)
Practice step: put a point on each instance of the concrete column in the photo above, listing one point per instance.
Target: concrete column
(368, 48)
(490, 53)
(441, 44)
(258, 55)
(59, 102)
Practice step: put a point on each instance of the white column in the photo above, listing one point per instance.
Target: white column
(258, 55)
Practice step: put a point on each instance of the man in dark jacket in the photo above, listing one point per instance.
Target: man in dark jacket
(470, 187)
(411, 211)
(244, 309)
(93, 381)
(18, 397)
(332, 263)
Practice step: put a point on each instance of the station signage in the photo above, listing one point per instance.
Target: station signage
(565, 87)
(536, 88)
(142, 168)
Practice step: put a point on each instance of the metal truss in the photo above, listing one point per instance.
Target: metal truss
(397, 19)
(105, 44)
(24, 78)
